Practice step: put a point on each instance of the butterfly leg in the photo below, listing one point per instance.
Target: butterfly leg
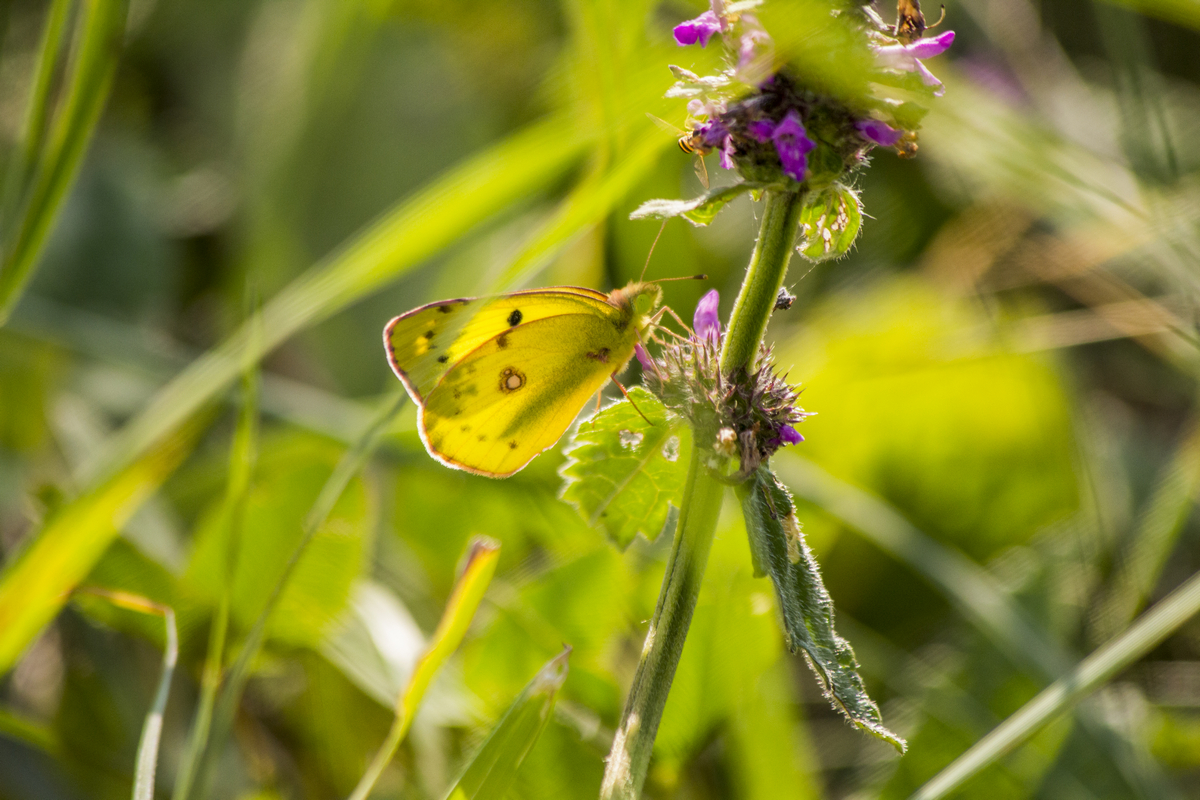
(682, 324)
(630, 399)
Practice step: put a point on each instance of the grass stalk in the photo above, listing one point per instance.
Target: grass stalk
(239, 672)
(1093, 672)
(57, 162)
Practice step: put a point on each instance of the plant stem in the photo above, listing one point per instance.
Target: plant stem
(764, 277)
(634, 741)
(633, 744)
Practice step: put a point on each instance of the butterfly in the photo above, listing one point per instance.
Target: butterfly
(500, 379)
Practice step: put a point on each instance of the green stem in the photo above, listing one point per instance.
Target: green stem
(764, 277)
(633, 743)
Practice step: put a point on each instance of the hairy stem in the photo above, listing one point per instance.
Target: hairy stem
(633, 744)
(764, 277)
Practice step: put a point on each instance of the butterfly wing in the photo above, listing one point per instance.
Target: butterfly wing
(515, 395)
(424, 344)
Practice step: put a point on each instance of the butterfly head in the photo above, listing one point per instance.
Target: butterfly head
(638, 301)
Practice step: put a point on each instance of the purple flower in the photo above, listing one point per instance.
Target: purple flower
(643, 357)
(789, 435)
(904, 57)
(727, 153)
(713, 133)
(700, 29)
(748, 46)
(878, 132)
(793, 145)
(761, 130)
(706, 320)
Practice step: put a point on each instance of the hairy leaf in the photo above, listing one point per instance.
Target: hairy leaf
(491, 772)
(778, 549)
(699, 210)
(622, 472)
(830, 223)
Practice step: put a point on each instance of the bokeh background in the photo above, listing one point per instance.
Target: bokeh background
(1004, 374)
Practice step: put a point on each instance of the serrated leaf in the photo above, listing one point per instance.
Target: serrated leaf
(699, 210)
(622, 473)
(778, 549)
(829, 223)
(491, 772)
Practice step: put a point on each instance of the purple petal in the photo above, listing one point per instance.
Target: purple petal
(642, 356)
(929, 79)
(748, 44)
(790, 435)
(878, 132)
(928, 48)
(727, 153)
(706, 320)
(793, 145)
(761, 130)
(713, 133)
(700, 29)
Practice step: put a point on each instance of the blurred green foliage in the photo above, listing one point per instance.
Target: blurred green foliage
(1007, 361)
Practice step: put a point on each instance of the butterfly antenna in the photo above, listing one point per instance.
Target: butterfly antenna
(630, 399)
(700, 277)
(661, 228)
(940, 20)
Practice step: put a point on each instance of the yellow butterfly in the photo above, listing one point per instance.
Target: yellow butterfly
(499, 380)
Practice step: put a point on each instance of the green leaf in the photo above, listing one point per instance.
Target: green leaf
(491, 772)
(622, 472)
(829, 223)
(699, 210)
(778, 548)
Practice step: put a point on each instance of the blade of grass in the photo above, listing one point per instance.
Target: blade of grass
(242, 458)
(406, 236)
(493, 769)
(239, 673)
(1153, 540)
(87, 86)
(16, 176)
(473, 581)
(147, 752)
(34, 586)
(1093, 672)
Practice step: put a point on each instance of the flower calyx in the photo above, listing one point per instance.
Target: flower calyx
(741, 418)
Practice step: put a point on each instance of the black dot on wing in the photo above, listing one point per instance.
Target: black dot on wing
(512, 445)
(443, 359)
(446, 309)
(428, 334)
(515, 317)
